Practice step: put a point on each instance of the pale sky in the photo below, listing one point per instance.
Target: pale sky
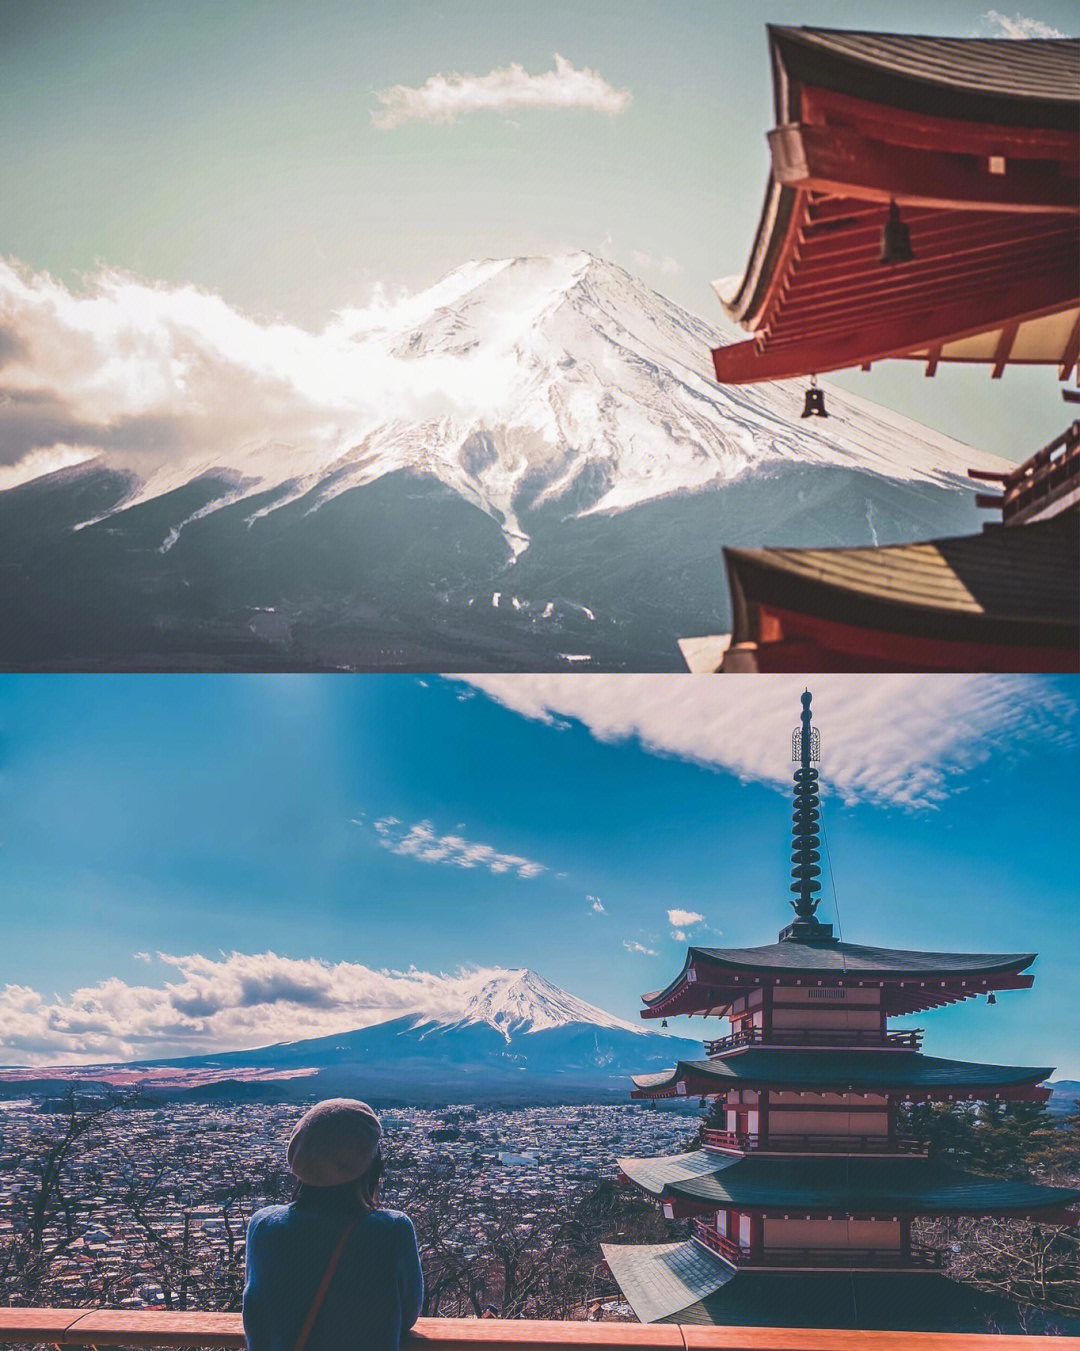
(294, 158)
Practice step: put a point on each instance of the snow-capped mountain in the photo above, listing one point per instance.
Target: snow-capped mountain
(512, 1037)
(525, 464)
(521, 1001)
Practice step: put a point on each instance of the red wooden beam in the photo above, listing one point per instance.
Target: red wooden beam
(834, 159)
(924, 131)
(743, 363)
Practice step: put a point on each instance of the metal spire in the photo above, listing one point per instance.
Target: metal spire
(805, 858)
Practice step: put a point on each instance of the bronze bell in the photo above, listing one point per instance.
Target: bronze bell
(991, 998)
(895, 239)
(814, 404)
(663, 1022)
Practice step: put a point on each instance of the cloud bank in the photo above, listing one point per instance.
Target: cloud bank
(899, 739)
(443, 99)
(420, 841)
(219, 1003)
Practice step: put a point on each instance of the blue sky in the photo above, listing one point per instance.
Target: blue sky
(204, 816)
(234, 147)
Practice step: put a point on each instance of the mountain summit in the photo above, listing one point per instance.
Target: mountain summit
(527, 465)
(521, 1001)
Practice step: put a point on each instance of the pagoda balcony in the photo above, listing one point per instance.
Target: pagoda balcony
(909, 1039)
(220, 1331)
(749, 1142)
(915, 1258)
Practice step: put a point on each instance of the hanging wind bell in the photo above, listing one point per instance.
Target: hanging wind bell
(895, 239)
(814, 406)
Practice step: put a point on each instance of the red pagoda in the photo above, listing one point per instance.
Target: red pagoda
(922, 204)
(803, 1201)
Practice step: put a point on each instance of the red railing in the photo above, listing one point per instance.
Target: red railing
(1049, 476)
(751, 1142)
(910, 1039)
(916, 1258)
(138, 1328)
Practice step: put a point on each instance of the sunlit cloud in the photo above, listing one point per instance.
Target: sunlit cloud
(1020, 26)
(422, 842)
(904, 739)
(596, 905)
(631, 945)
(443, 99)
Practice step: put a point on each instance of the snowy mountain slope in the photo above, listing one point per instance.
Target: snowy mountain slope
(511, 381)
(527, 466)
(522, 1001)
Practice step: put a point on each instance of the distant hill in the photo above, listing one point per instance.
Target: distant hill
(1065, 1096)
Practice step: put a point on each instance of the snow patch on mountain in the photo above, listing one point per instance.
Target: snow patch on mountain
(516, 383)
(521, 1001)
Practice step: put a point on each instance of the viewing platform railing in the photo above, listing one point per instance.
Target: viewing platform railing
(749, 1142)
(917, 1258)
(910, 1039)
(157, 1328)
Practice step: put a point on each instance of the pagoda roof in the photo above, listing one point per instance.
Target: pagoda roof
(845, 1186)
(975, 141)
(712, 977)
(684, 1283)
(1032, 78)
(909, 1073)
(1010, 587)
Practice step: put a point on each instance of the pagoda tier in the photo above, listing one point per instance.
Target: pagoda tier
(808, 1166)
(684, 1283)
(798, 1194)
(922, 204)
(902, 1075)
(769, 985)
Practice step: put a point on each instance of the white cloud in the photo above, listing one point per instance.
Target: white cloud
(1019, 26)
(678, 935)
(667, 265)
(443, 99)
(632, 946)
(420, 841)
(596, 905)
(896, 738)
(235, 1001)
(682, 919)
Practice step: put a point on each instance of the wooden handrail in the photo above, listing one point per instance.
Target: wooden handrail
(158, 1328)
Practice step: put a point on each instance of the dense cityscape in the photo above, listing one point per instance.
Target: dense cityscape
(148, 1204)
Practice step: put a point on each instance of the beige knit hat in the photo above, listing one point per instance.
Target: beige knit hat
(334, 1142)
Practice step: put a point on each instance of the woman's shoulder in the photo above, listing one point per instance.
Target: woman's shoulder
(390, 1219)
(268, 1216)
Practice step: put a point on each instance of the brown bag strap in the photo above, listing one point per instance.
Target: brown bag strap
(324, 1286)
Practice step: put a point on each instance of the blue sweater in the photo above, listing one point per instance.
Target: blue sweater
(376, 1294)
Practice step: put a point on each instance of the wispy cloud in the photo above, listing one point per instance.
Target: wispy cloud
(443, 99)
(897, 738)
(421, 841)
(596, 905)
(631, 945)
(667, 265)
(1020, 26)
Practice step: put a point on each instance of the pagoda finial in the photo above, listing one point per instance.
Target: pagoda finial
(805, 858)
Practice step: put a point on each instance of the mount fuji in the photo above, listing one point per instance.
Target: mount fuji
(527, 466)
(514, 1037)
